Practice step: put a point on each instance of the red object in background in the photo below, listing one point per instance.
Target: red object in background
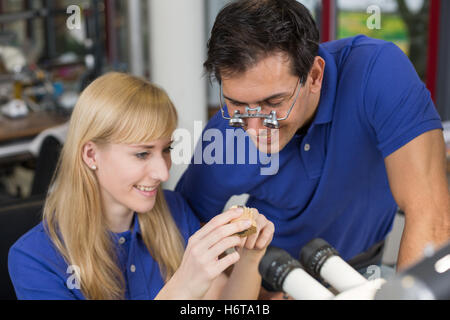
(433, 47)
(327, 21)
(110, 33)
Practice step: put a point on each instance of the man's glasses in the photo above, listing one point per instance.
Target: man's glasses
(270, 120)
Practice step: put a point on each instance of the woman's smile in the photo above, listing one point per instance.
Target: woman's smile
(146, 191)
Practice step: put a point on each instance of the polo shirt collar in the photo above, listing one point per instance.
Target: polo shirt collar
(135, 229)
(328, 91)
(136, 226)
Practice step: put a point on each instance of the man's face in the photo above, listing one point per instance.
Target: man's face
(271, 85)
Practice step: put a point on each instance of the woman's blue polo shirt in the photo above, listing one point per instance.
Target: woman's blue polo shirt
(38, 271)
(331, 181)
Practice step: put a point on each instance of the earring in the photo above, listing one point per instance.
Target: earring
(94, 167)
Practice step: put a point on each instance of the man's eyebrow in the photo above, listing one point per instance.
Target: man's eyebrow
(274, 96)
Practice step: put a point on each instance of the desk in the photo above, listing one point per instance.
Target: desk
(29, 126)
(16, 135)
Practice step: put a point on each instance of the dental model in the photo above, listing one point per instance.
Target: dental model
(249, 213)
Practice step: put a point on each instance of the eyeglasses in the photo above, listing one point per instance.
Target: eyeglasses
(270, 120)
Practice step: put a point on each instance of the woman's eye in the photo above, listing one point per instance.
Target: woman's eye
(168, 149)
(142, 155)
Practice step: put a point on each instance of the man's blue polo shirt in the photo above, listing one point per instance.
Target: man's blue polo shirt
(332, 181)
(38, 271)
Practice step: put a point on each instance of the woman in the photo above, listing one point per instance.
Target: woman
(109, 231)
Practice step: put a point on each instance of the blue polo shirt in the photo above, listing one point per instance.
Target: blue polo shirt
(38, 271)
(331, 181)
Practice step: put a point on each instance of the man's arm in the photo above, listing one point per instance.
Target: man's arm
(417, 178)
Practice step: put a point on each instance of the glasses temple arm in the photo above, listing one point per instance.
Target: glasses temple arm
(295, 100)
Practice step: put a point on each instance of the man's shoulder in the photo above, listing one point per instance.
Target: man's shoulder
(355, 52)
(218, 122)
(350, 43)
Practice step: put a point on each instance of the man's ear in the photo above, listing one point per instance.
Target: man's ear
(89, 154)
(316, 75)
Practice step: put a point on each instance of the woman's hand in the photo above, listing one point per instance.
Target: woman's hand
(201, 263)
(244, 282)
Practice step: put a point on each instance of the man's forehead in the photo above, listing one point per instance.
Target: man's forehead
(254, 89)
(274, 65)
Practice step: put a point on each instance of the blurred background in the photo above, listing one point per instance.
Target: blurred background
(51, 49)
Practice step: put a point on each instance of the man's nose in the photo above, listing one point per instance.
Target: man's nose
(254, 125)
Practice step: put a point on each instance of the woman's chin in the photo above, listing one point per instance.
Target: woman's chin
(145, 207)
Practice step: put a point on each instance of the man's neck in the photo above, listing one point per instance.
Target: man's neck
(304, 128)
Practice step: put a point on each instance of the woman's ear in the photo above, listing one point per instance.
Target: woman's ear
(89, 154)
(316, 75)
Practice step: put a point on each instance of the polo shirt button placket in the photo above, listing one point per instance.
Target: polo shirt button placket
(121, 240)
(307, 147)
(133, 268)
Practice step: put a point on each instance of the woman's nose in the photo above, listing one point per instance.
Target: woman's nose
(159, 169)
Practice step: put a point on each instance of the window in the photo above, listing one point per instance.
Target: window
(404, 22)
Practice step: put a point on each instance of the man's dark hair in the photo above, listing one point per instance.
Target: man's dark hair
(247, 31)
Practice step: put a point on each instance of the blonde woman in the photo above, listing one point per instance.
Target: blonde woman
(109, 231)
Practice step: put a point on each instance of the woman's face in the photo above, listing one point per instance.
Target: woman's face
(129, 175)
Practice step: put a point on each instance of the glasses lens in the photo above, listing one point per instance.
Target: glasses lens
(237, 123)
(271, 124)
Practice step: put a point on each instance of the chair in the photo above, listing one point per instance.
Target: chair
(16, 218)
(45, 165)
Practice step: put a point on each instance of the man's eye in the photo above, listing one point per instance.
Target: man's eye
(274, 104)
(237, 104)
(142, 155)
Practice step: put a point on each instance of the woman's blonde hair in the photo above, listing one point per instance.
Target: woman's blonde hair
(115, 108)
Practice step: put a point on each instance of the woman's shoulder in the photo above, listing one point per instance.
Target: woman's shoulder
(182, 212)
(36, 237)
(178, 205)
(35, 245)
(174, 198)
(37, 269)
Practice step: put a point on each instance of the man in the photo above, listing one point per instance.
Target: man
(361, 138)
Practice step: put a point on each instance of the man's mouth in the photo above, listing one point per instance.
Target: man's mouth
(264, 139)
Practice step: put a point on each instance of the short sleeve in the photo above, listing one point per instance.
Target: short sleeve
(398, 106)
(36, 273)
